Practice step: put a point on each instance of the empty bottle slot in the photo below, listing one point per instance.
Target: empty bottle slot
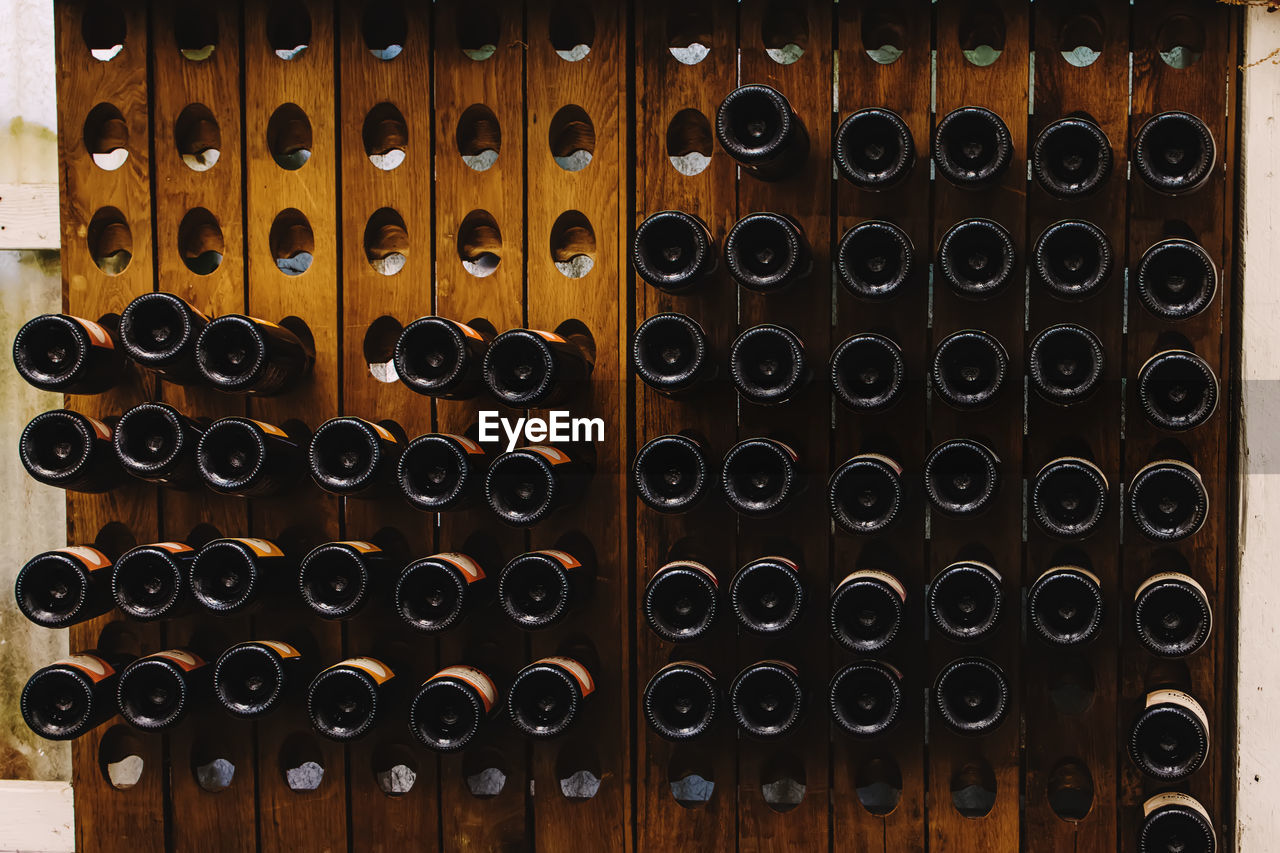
(973, 789)
(1070, 790)
(578, 771)
(479, 137)
(379, 348)
(120, 758)
(689, 142)
(1071, 686)
(386, 136)
(289, 137)
(883, 33)
(782, 782)
(200, 241)
(110, 241)
(386, 241)
(395, 768)
(479, 243)
(301, 762)
(688, 31)
(572, 28)
(982, 34)
(288, 28)
(103, 30)
(385, 28)
(572, 138)
(195, 29)
(477, 30)
(690, 777)
(785, 30)
(879, 785)
(485, 771)
(213, 772)
(292, 243)
(106, 137)
(573, 244)
(1080, 39)
(197, 137)
(1180, 41)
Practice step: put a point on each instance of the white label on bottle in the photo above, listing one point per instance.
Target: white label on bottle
(577, 670)
(1088, 463)
(467, 444)
(692, 665)
(1160, 577)
(470, 568)
(261, 547)
(784, 561)
(92, 558)
(1174, 798)
(560, 557)
(1183, 700)
(780, 663)
(173, 547)
(91, 665)
(467, 330)
(269, 429)
(184, 659)
(383, 432)
(548, 336)
(376, 669)
(892, 463)
(482, 683)
(980, 565)
(1090, 575)
(359, 545)
(97, 334)
(283, 649)
(884, 577)
(555, 457)
(690, 564)
(103, 431)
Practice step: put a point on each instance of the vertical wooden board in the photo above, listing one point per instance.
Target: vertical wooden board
(384, 213)
(289, 819)
(595, 83)
(803, 422)
(665, 87)
(904, 87)
(108, 818)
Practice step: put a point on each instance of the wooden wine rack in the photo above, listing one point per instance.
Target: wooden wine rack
(475, 76)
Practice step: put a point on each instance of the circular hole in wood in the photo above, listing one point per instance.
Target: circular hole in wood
(110, 241)
(120, 758)
(884, 33)
(1071, 685)
(479, 243)
(782, 782)
(1180, 41)
(212, 770)
(689, 142)
(479, 137)
(573, 244)
(289, 137)
(114, 538)
(103, 29)
(982, 34)
(572, 28)
(106, 137)
(689, 774)
(379, 348)
(200, 241)
(195, 29)
(1080, 39)
(291, 241)
(572, 138)
(386, 136)
(485, 772)
(197, 137)
(879, 785)
(288, 28)
(386, 241)
(785, 31)
(477, 30)
(688, 31)
(395, 768)
(120, 638)
(973, 789)
(301, 762)
(385, 28)
(1070, 790)
(578, 772)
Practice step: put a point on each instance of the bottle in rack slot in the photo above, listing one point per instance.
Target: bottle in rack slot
(672, 355)
(874, 260)
(157, 444)
(1174, 153)
(681, 601)
(1177, 390)
(452, 707)
(159, 332)
(673, 251)
(442, 358)
(961, 477)
(868, 372)
(65, 586)
(976, 258)
(354, 457)
(972, 147)
(547, 696)
(1073, 259)
(966, 600)
(1167, 500)
(72, 696)
(671, 473)
(757, 128)
(969, 369)
(866, 698)
(681, 701)
(157, 691)
(1068, 497)
(1176, 279)
(865, 493)
(1176, 821)
(760, 476)
(867, 610)
(245, 355)
(1172, 614)
(767, 364)
(767, 699)
(1065, 363)
(767, 595)
(347, 700)
(523, 486)
(539, 589)
(151, 582)
(972, 696)
(526, 368)
(71, 451)
(255, 678)
(439, 472)
(248, 458)
(1169, 740)
(873, 149)
(767, 252)
(231, 576)
(1065, 606)
(1071, 157)
(340, 580)
(70, 355)
(437, 592)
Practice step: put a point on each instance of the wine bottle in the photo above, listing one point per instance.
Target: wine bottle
(437, 592)
(969, 369)
(1064, 606)
(1172, 615)
(159, 332)
(757, 128)
(1069, 497)
(538, 589)
(1073, 259)
(547, 696)
(767, 252)
(339, 580)
(71, 451)
(151, 582)
(1168, 501)
(976, 258)
(865, 493)
(671, 354)
(1176, 279)
(867, 372)
(70, 355)
(439, 472)
(867, 610)
(248, 458)
(1174, 153)
(72, 696)
(767, 595)
(523, 486)
(253, 679)
(767, 365)
(873, 148)
(760, 476)
(230, 576)
(65, 586)
(972, 696)
(156, 692)
(1065, 363)
(767, 699)
(875, 260)
(866, 698)
(972, 147)
(1176, 821)
(245, 355)
(442, 358)
(673, 251)
(681, 701)
(157, 444)
(961, 477)
(353, 457)
(1169, 740)
(452, 707)
(1177, 390)
(350, 698)
(1071, 158)
(681, 601)
(526, 369)
(670, 473)
(966, 600)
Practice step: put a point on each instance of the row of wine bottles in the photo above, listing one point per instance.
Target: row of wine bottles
(1172, 152)
(1176, 389)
